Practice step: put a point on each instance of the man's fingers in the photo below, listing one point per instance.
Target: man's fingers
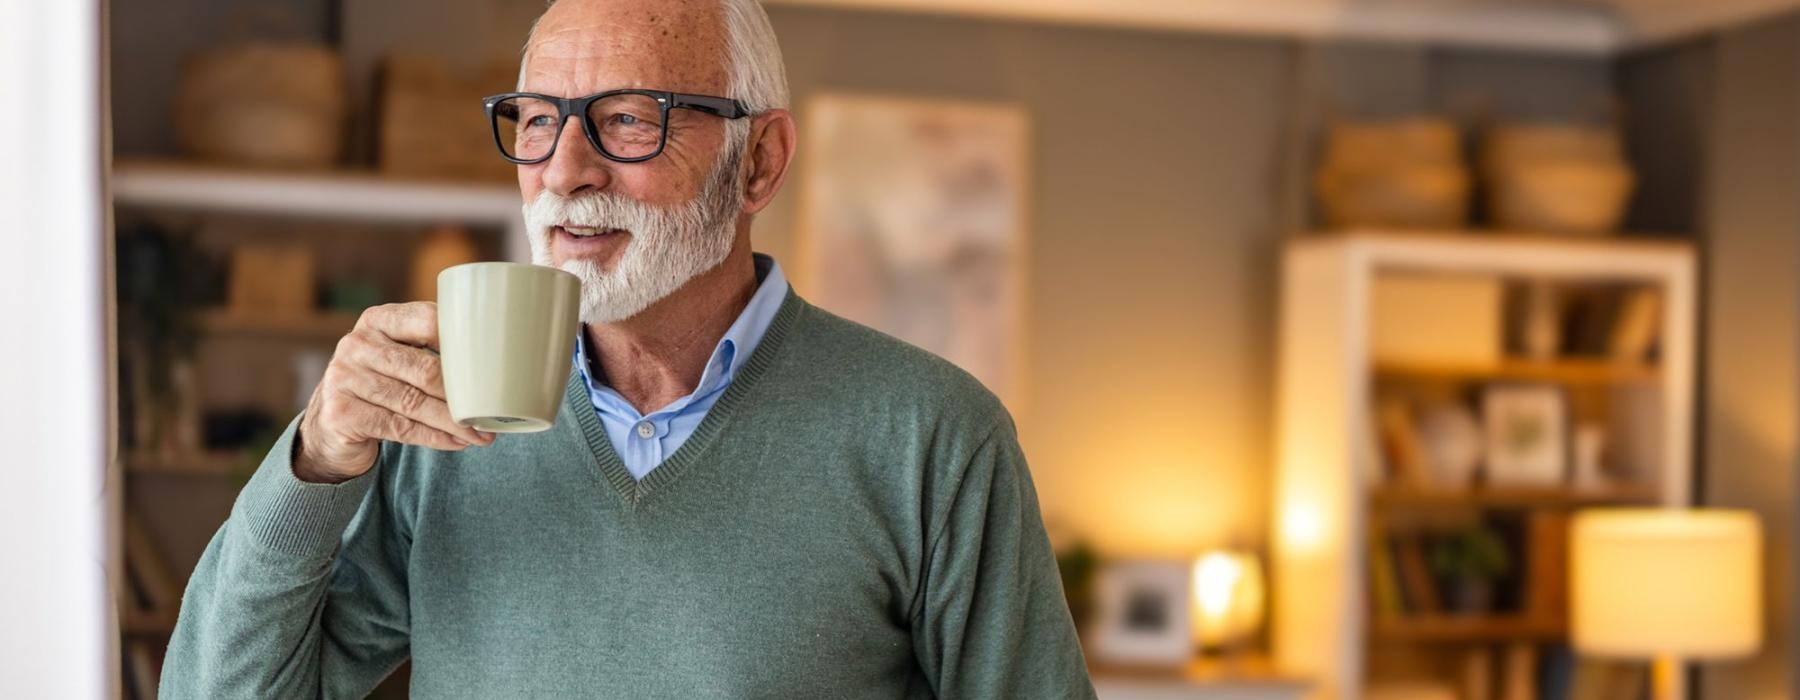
(412, 402)
(382, 424)
(372, 350)
(412, 323)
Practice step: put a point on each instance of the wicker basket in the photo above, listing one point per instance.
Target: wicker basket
(1556, 178)
(1407, 174)
(278, 105)
(432, 125)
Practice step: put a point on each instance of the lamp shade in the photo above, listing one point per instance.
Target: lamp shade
(1650, 582)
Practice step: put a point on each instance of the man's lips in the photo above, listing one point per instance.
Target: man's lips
(589, 242)
(574, 231)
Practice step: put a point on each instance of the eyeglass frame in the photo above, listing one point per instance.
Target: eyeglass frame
(722, 107)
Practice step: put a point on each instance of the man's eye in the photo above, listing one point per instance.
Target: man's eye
(627, 119)
(540, 120)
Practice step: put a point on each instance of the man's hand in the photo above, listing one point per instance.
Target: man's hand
(384, 383)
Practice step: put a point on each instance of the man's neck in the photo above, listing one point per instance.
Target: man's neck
(657, 356)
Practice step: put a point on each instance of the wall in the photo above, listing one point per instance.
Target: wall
(1151, 252)
(1752, 234)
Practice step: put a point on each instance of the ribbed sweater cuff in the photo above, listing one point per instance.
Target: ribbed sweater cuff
(285, 514)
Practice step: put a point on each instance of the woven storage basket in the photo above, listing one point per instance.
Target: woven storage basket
(432, 124)
(1407, 174)
(279, 105)
(1556, 178)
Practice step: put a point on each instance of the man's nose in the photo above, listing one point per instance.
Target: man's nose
(575, 166)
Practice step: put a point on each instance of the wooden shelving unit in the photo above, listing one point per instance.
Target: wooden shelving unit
(1336, 499)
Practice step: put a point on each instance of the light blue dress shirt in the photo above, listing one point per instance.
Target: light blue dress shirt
(641, 441)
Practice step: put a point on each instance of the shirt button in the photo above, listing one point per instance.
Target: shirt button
(646, 431)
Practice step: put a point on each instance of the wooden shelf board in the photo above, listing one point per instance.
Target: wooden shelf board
(197, 464)
(323, 325)
(1565, 371)
(362, 196)
(1522, 496)
(1469, 628)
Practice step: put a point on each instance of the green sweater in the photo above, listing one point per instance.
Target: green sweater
(852, 519)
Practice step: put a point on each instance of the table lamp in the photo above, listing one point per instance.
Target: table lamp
(1228, 599)
(1667, 585)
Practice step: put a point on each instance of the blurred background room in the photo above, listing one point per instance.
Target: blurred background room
(1386, 349)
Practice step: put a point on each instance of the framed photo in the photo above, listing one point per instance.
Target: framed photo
(1143, 613)
(1527, 428)
(912, 221)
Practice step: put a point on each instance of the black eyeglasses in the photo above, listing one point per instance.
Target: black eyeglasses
(626, 126)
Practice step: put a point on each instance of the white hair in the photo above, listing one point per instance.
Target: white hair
(755, 74)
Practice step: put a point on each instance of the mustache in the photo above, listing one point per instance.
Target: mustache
(597, 209)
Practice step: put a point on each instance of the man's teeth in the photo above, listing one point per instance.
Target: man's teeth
(582, 231)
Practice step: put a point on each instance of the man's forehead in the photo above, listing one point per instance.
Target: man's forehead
(592, 45)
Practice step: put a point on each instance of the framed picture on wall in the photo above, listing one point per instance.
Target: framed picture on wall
(912, 221)
(1527, 428)
(1143, 614)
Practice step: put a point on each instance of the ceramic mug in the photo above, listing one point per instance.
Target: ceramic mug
(506, 338)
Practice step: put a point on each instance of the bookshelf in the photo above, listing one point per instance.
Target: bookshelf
(1363, 518)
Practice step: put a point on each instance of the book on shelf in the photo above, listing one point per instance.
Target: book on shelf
(1404, 456)
(154, 587)
(1547, 565)
(1621, 323)
(1518, 678)
(1588, 325)
(1606, 679)
(1634, 335)
(143, 671)
(1384, 582)
(1418, 587)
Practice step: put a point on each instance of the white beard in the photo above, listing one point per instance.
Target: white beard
(669, 245)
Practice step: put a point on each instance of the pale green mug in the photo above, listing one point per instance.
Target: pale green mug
(506, 338)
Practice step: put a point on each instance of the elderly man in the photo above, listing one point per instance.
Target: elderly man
(743, 496)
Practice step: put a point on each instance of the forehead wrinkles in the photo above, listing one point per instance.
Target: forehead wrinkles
(595, 49)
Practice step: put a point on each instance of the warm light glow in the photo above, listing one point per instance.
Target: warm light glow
(1649, 582)
(1302, 526)
(1228, 597)
(1215, 576)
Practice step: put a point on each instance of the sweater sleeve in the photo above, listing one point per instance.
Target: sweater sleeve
(991, 620)
(302, 593)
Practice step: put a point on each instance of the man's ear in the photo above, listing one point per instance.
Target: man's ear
(772, 142)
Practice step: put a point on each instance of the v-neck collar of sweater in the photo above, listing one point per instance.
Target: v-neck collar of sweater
(577, 402)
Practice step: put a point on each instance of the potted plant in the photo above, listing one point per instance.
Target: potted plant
(1468, 562)
(1077, 564)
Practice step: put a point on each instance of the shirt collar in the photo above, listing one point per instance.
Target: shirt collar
(736, 346)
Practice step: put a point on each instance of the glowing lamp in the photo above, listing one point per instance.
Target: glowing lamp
(1228, 598)
(1666, 584)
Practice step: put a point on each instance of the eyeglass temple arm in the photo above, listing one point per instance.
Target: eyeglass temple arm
(717, 106)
